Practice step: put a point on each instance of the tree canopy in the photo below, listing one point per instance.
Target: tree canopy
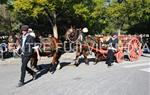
(99, 16)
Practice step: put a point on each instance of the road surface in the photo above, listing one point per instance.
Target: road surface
(127, 78)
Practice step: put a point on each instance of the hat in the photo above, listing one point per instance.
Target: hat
(85, 30)
(114, 34)
(24, 28)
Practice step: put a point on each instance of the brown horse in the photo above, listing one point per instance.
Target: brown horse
(96, 44)
(82, 45)
(85, 49)
(50, 47)
(101, 50)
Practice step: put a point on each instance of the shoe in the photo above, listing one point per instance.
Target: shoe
(76, 65)
(20, 84)
(34, 76)
(109, 65)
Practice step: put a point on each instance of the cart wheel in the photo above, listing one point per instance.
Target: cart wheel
(134, 49)
(119, 56)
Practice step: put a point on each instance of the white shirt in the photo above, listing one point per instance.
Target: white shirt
(24, 37)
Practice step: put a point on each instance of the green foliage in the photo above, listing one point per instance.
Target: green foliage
(82, 10)
(30, 7)
(94, 14)
(122, 16)
(3, 1)
(4, 19)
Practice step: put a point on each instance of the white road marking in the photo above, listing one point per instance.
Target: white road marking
(145, 69)
(136, 65)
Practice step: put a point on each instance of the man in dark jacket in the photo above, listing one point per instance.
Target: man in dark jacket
(27, 43)
(113, 45)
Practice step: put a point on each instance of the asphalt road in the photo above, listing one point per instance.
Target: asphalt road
(127, 78)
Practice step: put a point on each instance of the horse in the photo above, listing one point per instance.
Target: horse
(85, 46)
(50, 47)
(101, 50)
(82, 45)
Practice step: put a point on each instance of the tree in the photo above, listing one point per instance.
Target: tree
(5, 24)
(120, 16)
(93, 12)
(3, 1)
(53, 9)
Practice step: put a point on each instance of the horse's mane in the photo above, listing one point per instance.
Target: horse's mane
(73, 34)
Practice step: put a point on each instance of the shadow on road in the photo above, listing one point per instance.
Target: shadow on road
(82, 60)
(146, 56)
(43, 69)
(28, 81)
(64, 64)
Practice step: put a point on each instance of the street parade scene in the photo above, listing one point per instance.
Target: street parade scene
(75, 47)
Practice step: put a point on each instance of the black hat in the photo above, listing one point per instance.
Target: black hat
(114, 34)
(24, 28)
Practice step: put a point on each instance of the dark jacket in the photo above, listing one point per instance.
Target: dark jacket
(113, 43)
(28, 46)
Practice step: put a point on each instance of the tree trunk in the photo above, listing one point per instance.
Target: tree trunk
(119, 31)
(55, 32)
(52, 20)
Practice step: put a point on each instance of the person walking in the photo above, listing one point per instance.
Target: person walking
(113, 45)
(26, 45)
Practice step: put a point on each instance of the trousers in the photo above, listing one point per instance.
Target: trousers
(24, 67)
(110, 57)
